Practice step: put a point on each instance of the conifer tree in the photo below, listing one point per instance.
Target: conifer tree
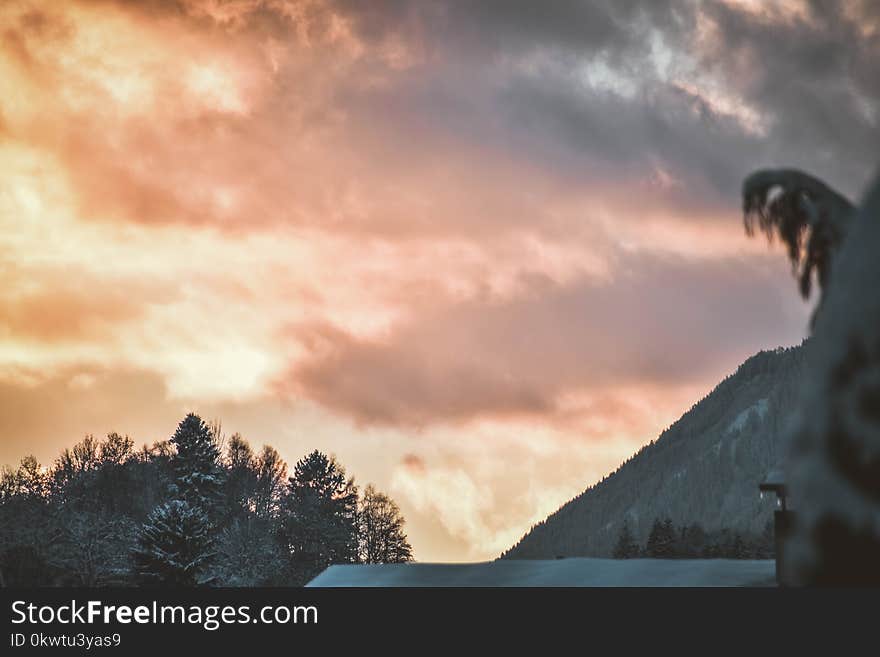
(693, 540)
(174, 547)
(626, 547)
(198, 474)
(319, 517)
(661, 540)
(739, 549)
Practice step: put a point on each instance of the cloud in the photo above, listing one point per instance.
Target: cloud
(280, 111)
(413, 462)
(47, 308)
(664, 321)
(46, 414)
(812, 74)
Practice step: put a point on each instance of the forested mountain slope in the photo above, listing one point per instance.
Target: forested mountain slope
(703, 469)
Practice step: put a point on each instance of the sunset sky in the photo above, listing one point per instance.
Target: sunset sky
(480, 251)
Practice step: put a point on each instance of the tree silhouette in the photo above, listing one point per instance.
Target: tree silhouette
(626, 546)
(198, 474)
(380, 530)
(808, 216)
(319, 516)
(661, 540)
(176, 514)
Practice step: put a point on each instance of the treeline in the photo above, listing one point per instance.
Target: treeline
(197, 509)
(666, 541)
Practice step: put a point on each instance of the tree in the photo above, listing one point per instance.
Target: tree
(196, 465)
(271, 472)
(249, 554)
(74, 462)
(241, 477)
(380, 530)
(318, 517)
(834, 473)
(626, 546)
(92, 548)
(693, 540)
(739, 547)
(175, 547)
(115, 450)
(175, 514)
(661, 540)
(811, 219)
(151, 475)
(26, 527)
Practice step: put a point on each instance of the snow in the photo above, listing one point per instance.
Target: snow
(558, 572)
(836, 424)
(759, 407)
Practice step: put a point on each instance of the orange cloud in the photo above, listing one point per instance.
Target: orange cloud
(657, 322)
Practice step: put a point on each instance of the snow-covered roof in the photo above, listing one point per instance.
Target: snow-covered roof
(775, 477)
(558, 572)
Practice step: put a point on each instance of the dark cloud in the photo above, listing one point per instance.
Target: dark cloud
(809, 85)
(606, 138)
(814, 76)
(514, 26)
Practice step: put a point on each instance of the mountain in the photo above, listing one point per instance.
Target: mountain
(705, 468)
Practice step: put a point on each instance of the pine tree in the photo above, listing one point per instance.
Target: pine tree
(198, 475)
(693, 540)
(174, 547)
(319, 513)
(661, 540)
(670, 537)
(739, 548)
(654, 538)
(626, 547)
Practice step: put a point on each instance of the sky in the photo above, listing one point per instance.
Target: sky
(481, 252)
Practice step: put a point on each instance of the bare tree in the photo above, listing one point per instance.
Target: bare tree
(93, 547)
(380, 530)
(271, 481)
